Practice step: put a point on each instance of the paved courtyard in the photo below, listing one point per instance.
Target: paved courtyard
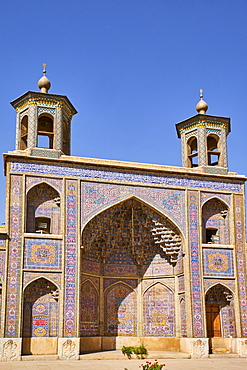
(134, 364)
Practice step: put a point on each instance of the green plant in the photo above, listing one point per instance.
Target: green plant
(154, 366)
(140, 351)
(128, 351)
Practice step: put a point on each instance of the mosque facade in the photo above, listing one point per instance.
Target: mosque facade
(96, 254)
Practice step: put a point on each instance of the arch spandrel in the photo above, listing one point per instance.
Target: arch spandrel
(224, 198)
(57, 184)
(97, 198)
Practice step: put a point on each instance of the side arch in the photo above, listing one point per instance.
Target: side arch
(120, 310)
(43, 209)
(159, 311)
(158, 282)
(89, 309)
(46, 182)
(40, 309)
(220, 315)
(215, 222)
(42, 277)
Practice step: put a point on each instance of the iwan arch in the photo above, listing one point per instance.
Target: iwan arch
(96, 254)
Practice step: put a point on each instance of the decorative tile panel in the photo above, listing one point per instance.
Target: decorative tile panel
(43, 254)
(218, 262)
(159, 311)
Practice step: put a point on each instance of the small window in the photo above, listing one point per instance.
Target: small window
(42, 225)
(211, 236)
(213, 152)
(45, 132)
(192, 152)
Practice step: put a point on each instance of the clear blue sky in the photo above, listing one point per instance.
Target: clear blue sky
(132, 69)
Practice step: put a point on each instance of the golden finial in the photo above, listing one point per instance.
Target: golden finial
(44, 68)
(44, 84)
(201, 106)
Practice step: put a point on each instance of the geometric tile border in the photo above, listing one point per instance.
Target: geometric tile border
(195, 265)
(125, 176)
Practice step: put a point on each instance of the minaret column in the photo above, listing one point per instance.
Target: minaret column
(202, 145)
(59, 129)
(32, 126)
(224, 155)
(18, 134)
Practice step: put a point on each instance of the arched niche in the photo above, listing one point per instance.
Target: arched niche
(220, 316)
(40, 309)
(89, 310)
(215, 222)
(43, 210)
(120, 310)
(159, 311)
(134, 227)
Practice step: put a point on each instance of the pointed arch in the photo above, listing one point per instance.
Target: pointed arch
(216, 198)
(40, 309)
(42, 277)
(43, 209)
(213, 150)
(133, 227)
(215, 222)
(159, 311)
(45, 181)
(89, 309)
(220, 316)
(161, 283)
(45, 129)
(120, 313)
(192, 149)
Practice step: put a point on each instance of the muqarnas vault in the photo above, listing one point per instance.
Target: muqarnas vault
(96, 254)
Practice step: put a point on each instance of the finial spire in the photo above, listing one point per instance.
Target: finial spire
(201, 106)
(44, 68)
(44, 83)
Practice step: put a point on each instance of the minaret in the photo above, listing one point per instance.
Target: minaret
(43, 121)
(203, 140)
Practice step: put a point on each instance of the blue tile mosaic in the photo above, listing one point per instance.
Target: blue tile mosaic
(124, 176)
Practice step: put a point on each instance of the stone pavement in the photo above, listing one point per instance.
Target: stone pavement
(134, 364)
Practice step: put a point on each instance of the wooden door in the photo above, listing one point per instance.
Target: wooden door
(213, 320)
